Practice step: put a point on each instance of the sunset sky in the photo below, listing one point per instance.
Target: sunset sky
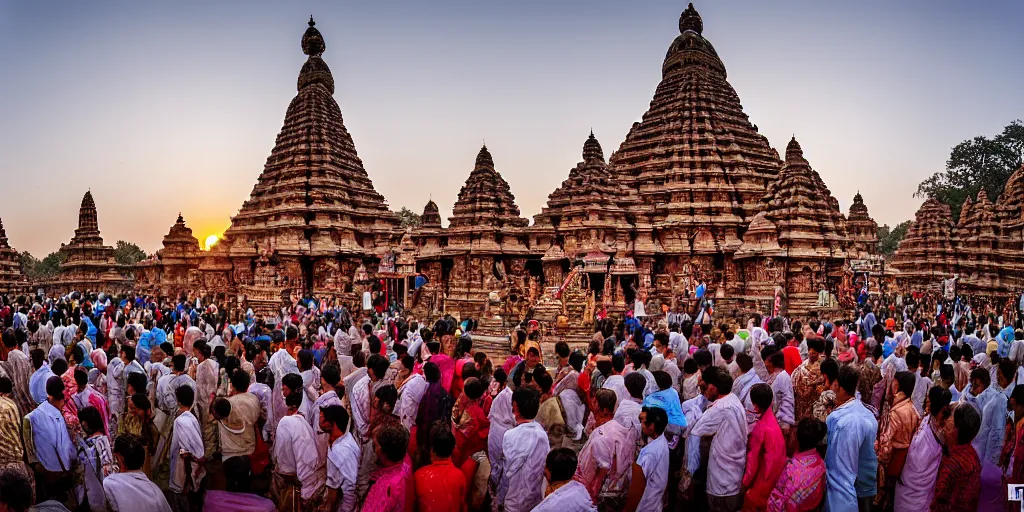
(174, 106)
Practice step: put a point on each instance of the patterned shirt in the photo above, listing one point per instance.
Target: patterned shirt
(10, 432)
(801, 487)
(958, 487)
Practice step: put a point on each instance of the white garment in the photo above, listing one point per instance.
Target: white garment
(571, 497)
(653, 460)
(133, 492)
(726, 420)
(409, 398)
(783, 403)
(627, 414)
(502, 419)
(524, 449)
(292, 453)
(343, 470)
(187, 437)
(574, 412)
(359, 399)
(617, 384)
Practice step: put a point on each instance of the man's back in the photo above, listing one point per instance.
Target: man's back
(440, 487)
(524, 449)
(851, 462)
(133, 492)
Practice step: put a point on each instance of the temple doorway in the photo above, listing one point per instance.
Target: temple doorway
(596, 285)
(306, 263)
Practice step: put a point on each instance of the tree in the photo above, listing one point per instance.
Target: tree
(28, 263)
(50, 265)
(889, 239)
(127, 253)
(977, 164)
(409, 218)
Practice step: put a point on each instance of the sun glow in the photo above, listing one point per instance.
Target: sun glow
(211, 240)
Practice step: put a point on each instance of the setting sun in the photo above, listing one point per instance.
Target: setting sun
(211, 240)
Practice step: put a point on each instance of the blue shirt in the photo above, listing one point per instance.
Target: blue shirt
(50, 436)
(37, 383)
(850, 464)
(668, 400)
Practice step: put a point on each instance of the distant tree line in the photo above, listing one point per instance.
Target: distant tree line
(126, 253)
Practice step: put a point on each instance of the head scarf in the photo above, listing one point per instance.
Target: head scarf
(99, 359)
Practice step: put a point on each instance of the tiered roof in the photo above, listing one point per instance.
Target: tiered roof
(803, 211)
(89, 264)
(11, 278)
(313, 198)
(695, 158)
(1010, 214)
(862, 229)
(431, 217)
(179, 241)
(591, 198)
(926, 254)
(977, 233)
(486, 198)
(485, 212)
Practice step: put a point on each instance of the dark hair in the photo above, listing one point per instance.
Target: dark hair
(179, 361)
(830, 369)
(1007, 368)
(809, 433)
(331, 373)
(727, 351)
(185, 396)
(940, 397)
(906, 382)
(337, 416)
(703, 357)
(744, 361)
(982, 375)
(658, 417)
(761, 395)
(442, 441)
(544, 381)
(132, 449)
(1017, 395)
(294, 399)
(137, 380)
(723, 383)
(6, 386)
(293, 381)
(967, 422)
(379, 364)
(635, 384)
(387, 394)
(59, 367)
(81, 376)
(561, 462)
(431, 372)
(848, 379)
(237, 472)
(663, 379)
(91, 420)
(816, 344)
(912, 358)
(240, 381)
(38, 357)
(373, 343)
(168, 348)
(358, 359)
(129, 353)
(394, 441)
(16, 489)
(606, 400)
(618, 363)
(527, 400)
(55, 388)
(141, 401)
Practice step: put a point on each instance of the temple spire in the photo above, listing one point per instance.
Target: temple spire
(690, 20)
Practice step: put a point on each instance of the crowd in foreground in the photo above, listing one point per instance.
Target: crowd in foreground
(128, 404)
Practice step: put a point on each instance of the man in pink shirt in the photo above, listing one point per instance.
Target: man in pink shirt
(607, 457)
(444, 363)
(766, 451)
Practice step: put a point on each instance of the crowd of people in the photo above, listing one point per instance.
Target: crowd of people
(127, 403)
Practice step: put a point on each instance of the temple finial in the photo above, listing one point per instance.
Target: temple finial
(311, 22)
(690, 20)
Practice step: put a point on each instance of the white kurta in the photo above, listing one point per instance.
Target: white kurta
(502, 419)
(292, 453)
(653, 461)
(571, 497)
(187, 437)
(409, 398)
(343, 470)
(524, 449)
(133, 492)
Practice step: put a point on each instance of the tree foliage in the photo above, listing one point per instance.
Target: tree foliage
(889, 239)
(981, 163)
(28, 263)
(34, 268)
(409, 218)
(127, 253)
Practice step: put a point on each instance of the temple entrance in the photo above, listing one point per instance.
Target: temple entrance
(306, 263)
(628, 284)
(596, 285)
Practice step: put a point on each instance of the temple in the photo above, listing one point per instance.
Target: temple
(313, 222)
(88, 264)
(983, 249)
(172, 270)
(11, 278)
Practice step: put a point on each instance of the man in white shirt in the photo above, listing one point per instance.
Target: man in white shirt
(129, 490)
(295, 459)
(361, 402)
(410, 394)
(568, 495)
(650, 472)
(782, 385)
(524, 449)
(342, 460)
(627, 413)
(726, 420)
(616, 382)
